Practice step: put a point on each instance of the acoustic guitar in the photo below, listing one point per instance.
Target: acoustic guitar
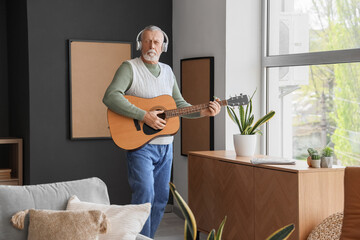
(130, 133)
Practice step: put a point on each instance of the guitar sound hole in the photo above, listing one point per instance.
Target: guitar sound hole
(149, 130)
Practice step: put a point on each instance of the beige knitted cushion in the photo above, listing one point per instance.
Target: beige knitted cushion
(328, 229)
(60, 225)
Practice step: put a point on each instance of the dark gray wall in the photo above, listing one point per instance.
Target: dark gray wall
(51, 155)
(18, 76)
(4, 98)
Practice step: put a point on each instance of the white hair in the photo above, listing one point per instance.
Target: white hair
(151, 28)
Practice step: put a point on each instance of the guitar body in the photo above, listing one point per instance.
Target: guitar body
(130, 134)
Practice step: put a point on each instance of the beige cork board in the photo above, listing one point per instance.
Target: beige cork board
(197, 87)
(92, 68)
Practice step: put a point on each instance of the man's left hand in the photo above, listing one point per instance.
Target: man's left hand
(213, 109)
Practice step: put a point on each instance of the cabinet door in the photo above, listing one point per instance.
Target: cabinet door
(236, 196)
(321, 194)
(276, 202)
(203, 191)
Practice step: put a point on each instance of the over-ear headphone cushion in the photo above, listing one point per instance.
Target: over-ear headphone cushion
(138, 45)
(164, 47)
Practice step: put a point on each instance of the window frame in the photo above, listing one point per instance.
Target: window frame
(292, 60)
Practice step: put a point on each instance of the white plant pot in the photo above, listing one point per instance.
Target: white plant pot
(244, 145)
(315, 163)
(326, 162)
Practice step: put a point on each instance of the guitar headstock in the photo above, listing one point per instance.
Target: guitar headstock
(238, 100)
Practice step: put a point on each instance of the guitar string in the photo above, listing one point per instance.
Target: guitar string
(189, 110)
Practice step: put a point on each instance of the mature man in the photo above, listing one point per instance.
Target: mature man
(149, 166)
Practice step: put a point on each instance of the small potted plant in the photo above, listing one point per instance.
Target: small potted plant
(311, 151)
(245, 142)
(315, 160)
(327, 157)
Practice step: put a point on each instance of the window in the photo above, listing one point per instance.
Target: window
(300, 26)
(312, 77)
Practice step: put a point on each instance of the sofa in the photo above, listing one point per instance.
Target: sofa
(53, 196)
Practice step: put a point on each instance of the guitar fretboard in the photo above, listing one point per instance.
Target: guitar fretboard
(189, 110)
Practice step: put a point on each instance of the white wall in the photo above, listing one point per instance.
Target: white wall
(243, 56)
(230, 31)
(199, 31)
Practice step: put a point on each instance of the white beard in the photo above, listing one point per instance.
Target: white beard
(151, 56)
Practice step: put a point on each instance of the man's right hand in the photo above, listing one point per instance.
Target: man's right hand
(152, 120)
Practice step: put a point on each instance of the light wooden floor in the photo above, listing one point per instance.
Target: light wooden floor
(172, 228)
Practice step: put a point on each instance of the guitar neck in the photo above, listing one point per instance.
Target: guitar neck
(191, 109)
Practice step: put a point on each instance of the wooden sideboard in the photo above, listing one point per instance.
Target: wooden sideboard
(259, 199)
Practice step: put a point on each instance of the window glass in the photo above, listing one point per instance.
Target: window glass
(316, 106)
(301, 26)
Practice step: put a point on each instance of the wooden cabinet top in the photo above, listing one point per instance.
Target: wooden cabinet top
(9, 140)
(230, 156)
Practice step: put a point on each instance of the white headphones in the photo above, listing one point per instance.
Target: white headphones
(163, 47)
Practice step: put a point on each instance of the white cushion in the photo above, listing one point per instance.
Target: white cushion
(126, 221)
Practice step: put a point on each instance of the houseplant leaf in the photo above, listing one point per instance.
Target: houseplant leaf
(257, 131)
(246, 112)
(263, 120)
(251, 120)
(250, 103)
(242, 117)
(187, 213)
(246, 118)
(211, 235)
(220, 230)
(187, 233)
(233, 117)
(247, 130)
(231, 114)
(250, 109)
(282, 233)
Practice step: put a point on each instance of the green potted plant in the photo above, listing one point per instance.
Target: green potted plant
(311, 151)
(315, 160)
(327, 157)
(245, 142)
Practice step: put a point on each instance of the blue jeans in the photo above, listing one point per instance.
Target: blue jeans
(149, 169)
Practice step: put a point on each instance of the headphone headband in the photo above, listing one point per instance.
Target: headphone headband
(163, 47)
